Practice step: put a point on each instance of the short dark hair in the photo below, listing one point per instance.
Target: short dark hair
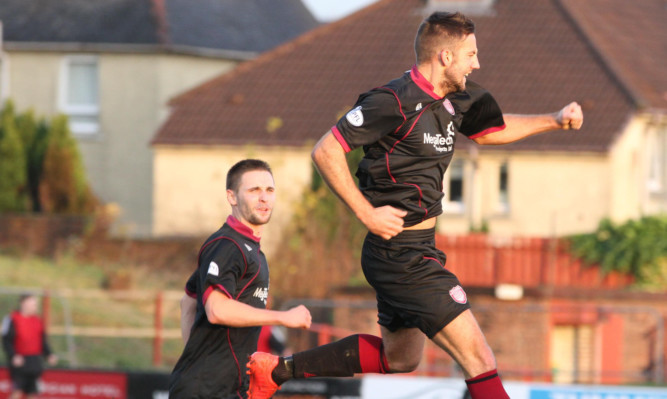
(241, 167)
(25, 296)
(441, 28)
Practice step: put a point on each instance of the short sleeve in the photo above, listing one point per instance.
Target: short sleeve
(221, 269)
(376, 114)
(481, 113)
(191, 285)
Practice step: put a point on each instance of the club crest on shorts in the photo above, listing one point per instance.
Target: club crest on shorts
(355, 117)
(449, 107)
(213, 269)
(458, 295)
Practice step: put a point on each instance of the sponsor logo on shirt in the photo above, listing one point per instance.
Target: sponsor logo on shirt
(418, 107)
(441, 143)
(248, 247)
(213, 269)
(458, 295)
(355, 117)
(262, 294)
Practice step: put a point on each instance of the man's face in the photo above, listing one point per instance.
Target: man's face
(464, 61)
(254, 199)
(29, 306)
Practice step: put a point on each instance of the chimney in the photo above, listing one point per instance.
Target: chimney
(468, 7)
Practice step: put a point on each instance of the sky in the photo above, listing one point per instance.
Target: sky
(331, 10)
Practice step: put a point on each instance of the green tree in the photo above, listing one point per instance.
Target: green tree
(323, 241)
(63, 187)
(638, 247)
(34, 135)
(13, 176)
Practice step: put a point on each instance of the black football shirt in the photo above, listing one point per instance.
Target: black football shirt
(408, 135)
(213, 362)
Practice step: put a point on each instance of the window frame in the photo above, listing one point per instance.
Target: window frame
(85, 110)
(454, 207)
(656, 176)
(503, 204)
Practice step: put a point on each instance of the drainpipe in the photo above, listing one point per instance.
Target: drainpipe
(474, 206)
(4, 70)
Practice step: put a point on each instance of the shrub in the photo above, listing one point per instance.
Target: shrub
(34, 135)
(13, 176)
(323, 241)
(638, 247)
(63, 187)
(40, 166)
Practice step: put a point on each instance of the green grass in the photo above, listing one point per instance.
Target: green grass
(33, 272)
(18, 274)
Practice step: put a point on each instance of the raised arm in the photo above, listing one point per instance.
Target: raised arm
(521, 126)
(223, 310)
(329, 158)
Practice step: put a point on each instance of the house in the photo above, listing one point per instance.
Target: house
(536, 56)
(112, 65)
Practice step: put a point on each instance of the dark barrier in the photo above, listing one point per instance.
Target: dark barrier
(147, 385)
(79, 384)
(74, 384)
(322, 388)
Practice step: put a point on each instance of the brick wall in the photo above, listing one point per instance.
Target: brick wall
(42, 235)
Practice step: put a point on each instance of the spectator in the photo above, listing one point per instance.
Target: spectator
(24, 341)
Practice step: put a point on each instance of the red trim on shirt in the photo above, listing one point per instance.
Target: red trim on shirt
(341, 140)
(190, 293)
(224, 238)
(236, 359)
(487, 131)
(421, 195)
(410, 130)
(437, 261)
(241, 228)
(423, 84)
(259, 269)
(400, 108)
(210, 289)
(386, 156)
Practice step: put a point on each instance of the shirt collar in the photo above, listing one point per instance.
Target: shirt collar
(241, 228)
(423, 84)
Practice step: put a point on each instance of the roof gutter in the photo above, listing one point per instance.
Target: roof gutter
(130, 48)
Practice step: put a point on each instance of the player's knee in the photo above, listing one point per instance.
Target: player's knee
(403, 365)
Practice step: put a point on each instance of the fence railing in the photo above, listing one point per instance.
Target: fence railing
(484, 261)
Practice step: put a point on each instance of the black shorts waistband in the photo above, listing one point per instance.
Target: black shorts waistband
(407, 236)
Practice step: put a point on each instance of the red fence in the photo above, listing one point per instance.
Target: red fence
(482, 261)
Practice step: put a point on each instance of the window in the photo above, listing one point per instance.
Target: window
(503, 192)
(79, 92)
(453, 202)
(572, 354)
(657, 167)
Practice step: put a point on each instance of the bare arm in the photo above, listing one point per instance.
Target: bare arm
(521, 126)
(220, 309)
(329, 158)
(188, 312)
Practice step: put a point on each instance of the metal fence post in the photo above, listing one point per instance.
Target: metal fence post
(157, 340)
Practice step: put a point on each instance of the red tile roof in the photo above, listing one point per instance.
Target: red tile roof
(632, 39)
(534, 59)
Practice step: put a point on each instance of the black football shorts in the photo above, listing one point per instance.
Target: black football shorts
(413, 287)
